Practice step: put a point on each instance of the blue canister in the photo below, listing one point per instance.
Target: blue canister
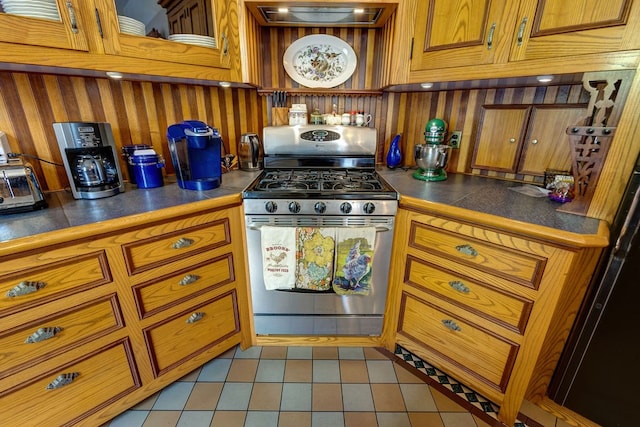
(127, 152)
(147, 168)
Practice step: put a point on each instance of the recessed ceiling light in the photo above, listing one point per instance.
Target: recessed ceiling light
(544, 79)
(426, 85)
(283, 10)
(358, 10)
(114, 75)
(224, 84)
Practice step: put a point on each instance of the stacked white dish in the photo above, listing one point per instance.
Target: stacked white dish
(194, 39)
(46, 9)
(131, 26)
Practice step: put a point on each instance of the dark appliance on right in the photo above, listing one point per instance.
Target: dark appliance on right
(599, 372)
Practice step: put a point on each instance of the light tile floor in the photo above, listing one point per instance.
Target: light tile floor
(300, 387)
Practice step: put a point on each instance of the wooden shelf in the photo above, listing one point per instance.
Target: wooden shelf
(321, 92)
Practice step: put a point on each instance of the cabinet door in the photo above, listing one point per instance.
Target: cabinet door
(555, 28)
(500, 136)
(42, 28)
(465, 32)
(138, 46)
(546, 145)
(189, 16)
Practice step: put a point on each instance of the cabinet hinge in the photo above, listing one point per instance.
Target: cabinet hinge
(99, 24)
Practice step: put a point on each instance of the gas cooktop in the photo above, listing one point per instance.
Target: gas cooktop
(312, 183)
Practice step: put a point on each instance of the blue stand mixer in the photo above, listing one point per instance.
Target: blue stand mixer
(431, 157)
(196, 155)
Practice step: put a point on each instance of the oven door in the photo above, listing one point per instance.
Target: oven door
(278, 312)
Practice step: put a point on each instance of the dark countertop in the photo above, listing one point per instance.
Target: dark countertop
(489, 196)
(475, 193)
(64, 211)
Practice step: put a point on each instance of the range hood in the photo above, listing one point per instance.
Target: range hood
(321, 14)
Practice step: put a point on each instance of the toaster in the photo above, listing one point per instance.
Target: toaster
(19, 189)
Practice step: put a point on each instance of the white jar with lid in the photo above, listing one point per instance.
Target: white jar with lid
(298, 115)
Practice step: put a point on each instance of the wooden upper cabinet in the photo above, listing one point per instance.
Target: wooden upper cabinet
(465, 32)
(553, 28)
(500, 136)
(526, 139)
(68, 32)
(190, 17)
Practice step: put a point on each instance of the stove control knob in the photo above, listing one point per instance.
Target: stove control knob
(368, 208)
(294, 207)
(271, 207)
(345, 208)
(320, 207)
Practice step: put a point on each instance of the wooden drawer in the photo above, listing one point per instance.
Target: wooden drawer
(103, 376)
(173, 241)
(158, 294)
(50, 275)
(466, 347)
(512, 264)
(501, 307)
(191, 332)
(54, 333)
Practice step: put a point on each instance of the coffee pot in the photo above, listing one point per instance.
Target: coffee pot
(249, 153)
(90, 170)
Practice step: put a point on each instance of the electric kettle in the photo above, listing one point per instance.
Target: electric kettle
(249, 153)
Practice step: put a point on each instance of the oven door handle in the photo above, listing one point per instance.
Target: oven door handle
(379, 228)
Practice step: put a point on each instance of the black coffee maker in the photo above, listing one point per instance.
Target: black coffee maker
(90, 159)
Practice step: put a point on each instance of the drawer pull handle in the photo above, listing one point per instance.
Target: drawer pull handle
(490, 36)
(183, 242)
(467, 250)
(450, 324)
(24, 288)
(189, 279)
(43, 334)
(521, 30)
(62, 380)
(459, 286)
(198, 315)
(72, 16)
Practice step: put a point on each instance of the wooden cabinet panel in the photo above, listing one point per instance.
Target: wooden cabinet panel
(546, 145)
(500, 135)
(159, 293)
(526, 139)
(190, 332)
(451, 34)
(43, 277)
(66, 33)
(490, 332)
(557, 28)
(519, 267)
(102, 377)
(172, 241)
(77, 325)
(466, 346)
(134, 46)
(497, 305)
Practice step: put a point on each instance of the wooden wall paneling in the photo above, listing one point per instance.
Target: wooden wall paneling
(37, 133)
(468, 127)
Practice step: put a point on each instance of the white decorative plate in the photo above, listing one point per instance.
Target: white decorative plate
(320, 60)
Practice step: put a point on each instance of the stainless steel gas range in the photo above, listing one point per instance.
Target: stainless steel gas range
(320, 178)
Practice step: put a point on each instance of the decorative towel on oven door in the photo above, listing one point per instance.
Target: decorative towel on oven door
(354, 260)
(314, 257)
(278, 257)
